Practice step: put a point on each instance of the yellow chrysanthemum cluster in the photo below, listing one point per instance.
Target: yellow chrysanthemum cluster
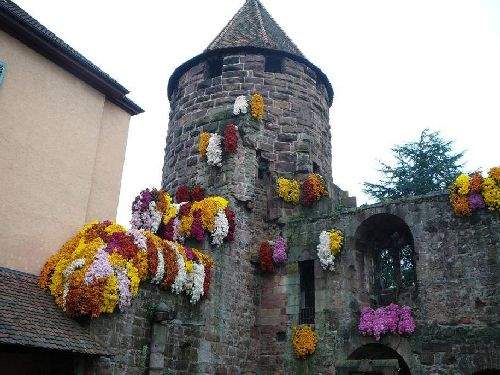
(166, 206)
(288, 190)
(208, 208)
(469, 193)
(336, 240)
(491, 189)
(203, 143)
(304, 341)
(257, 106)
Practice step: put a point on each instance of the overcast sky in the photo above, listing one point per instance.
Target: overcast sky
(397, 67)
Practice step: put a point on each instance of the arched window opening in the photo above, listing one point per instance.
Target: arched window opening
(376, 352)
(386, 243)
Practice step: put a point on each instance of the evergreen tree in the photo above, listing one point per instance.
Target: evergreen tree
(421, 167)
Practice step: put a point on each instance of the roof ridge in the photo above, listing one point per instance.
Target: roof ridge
(259, 16)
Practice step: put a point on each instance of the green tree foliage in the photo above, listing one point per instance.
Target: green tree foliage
(421, 167)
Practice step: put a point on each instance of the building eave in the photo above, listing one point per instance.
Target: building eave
(20, 25)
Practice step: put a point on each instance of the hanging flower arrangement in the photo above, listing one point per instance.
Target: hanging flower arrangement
(97, 270)
(101, 267)
(288, 190)
(210, 145)
(469, 193)
(279, 251)
(203, 143)
(231, 138)
(257, 106)
(191, 219)
(313, 189)
(330, 244)
(266, 257)
(240, 105)
(392, 319)
(304, 341)
(272, 254)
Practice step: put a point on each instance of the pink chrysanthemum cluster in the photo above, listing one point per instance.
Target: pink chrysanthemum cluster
(393, 319)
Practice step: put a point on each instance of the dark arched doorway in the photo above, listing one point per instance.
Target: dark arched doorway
(376, 352)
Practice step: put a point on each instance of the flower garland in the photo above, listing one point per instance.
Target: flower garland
(393, 319)
(288, 190)
(240, 105)
(330, 244)
(203, 143)
(272, 253)
(214, 150)
(279, 251)
(102, 266)
(469, 193)
(266, 257)
(257, 106)
(304, 341)
(231, 138)
(182, 220)
(313, 189)
(96, 270)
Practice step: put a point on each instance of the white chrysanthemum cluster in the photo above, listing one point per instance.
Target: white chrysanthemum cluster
(214, 150)
(160, 269)
(221, 228)
(240, 105)
(326, 258)
(139, 238)
(147, 220)
(180, 279)
(194, 283)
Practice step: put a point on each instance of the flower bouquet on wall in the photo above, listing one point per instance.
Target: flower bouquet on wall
(192, 216)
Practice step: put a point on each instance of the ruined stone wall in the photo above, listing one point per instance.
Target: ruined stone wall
(455, 304)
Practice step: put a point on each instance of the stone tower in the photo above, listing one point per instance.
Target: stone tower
(252, 54)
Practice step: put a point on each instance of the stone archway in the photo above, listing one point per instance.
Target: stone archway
(374, 359)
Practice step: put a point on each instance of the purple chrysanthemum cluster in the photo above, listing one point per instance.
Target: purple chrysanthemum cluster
(144, 213)
(476, 201)
(393, 319)
(279, 250)
(100, 268)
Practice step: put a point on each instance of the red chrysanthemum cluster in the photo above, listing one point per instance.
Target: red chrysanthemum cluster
(231, 138)
(185, 194)
(197, 226)
(231, 219)
(266, 257)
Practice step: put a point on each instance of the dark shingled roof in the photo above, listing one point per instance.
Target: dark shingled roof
(252, 30)
(29, 317)
(28, 30)
(253, 26)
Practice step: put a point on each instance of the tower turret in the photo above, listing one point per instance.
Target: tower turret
(251, 54)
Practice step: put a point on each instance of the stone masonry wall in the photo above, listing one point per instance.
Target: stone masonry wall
(455, 307)
(295, 134)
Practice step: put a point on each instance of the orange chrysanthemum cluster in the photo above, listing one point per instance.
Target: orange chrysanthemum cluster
(313, 189)
(266, 257)
(257, 106)
(304, 341)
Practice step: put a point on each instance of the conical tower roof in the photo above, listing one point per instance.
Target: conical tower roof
(253, 26)
(251, 30)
